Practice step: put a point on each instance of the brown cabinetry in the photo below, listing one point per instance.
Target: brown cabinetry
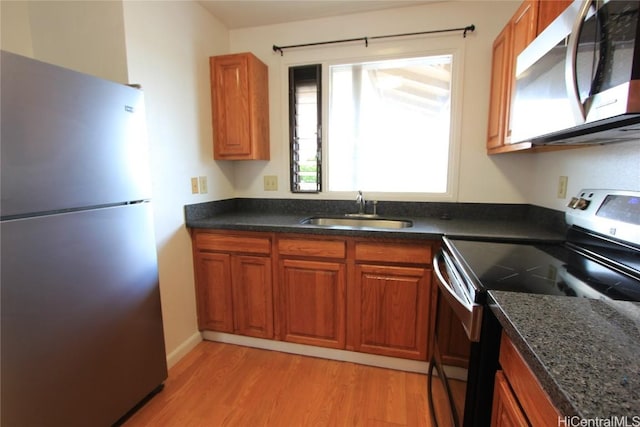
(240, 107)
(506, 410)
(531, 18)
(234, 283)
(390, 299)
(360, 294)
(519, 399)
(548, 10)
(312, 291)
(515, 36)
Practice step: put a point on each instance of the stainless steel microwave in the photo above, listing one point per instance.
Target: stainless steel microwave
(578, 82)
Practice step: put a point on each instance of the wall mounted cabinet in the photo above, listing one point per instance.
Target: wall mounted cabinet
(240, 107)
(531, 18)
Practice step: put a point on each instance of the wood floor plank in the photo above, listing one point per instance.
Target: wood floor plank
(220, 384)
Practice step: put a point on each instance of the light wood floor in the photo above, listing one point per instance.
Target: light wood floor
(227, 385)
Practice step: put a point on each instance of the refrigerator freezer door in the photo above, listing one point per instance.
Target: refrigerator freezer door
(82, 338)
(69, 140)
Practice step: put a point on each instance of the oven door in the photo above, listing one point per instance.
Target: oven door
(457, 328)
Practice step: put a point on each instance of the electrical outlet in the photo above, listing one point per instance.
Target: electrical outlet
(562, 187)
(194, 185)
(203, 184)
(270, 183)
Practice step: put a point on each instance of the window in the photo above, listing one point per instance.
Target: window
(389, 125)
(305, 136)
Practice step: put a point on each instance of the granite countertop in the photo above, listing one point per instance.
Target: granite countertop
(430, 220)
(585, 352)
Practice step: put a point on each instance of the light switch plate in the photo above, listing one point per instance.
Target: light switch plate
(562, 187)
(194, 185)
(270, 183)
(203, 184)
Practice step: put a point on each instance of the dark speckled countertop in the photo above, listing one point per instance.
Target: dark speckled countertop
(585, 352)
(430, 220)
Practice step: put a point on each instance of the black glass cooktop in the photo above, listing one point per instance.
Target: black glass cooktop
(542, 269)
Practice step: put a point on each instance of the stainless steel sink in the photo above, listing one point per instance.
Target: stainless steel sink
(365, 221)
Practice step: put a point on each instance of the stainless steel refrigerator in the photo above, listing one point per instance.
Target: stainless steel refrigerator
(81, 334)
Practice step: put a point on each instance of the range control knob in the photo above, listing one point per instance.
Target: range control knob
(573, 202)
(582, 204)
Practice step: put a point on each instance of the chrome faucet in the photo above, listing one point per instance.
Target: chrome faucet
(361, 202)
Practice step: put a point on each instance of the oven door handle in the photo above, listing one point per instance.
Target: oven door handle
(469, 313)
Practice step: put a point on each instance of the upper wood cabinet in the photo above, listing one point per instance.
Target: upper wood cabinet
(516, 35)
(240, 107)
(528, 21)
(548, 10)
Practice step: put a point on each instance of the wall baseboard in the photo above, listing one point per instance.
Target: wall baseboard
(184, 348)
(321, 352)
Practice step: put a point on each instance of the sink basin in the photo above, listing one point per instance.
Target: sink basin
(359, 222)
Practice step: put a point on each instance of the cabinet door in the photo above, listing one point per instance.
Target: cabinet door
(213, 289)
(523, 24)
(252, 296)
(500, 69)
(506, 411)
(516, 35)
(230, 88)
(548, 10)
(391, 310)
(313, 302)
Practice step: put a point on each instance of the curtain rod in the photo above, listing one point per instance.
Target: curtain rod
(366, 39)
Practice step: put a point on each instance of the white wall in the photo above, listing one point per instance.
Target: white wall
(476, 57)
(510, 178)
(84, 36)
(168, 46)
(614, 166)
(164, 46)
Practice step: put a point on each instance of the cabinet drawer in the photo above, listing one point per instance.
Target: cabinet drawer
(233, 243)
(533, 399)
(394, 252)
(313, 248)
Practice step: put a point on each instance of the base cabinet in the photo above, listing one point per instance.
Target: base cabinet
(214, 292)
(366, 295)
(506, 410)
(252, 296)
(519, 399)
(313, 302)
(234, 283)
(391, 298)
(391, 309)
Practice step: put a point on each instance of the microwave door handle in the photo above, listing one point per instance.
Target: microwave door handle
(571, 75)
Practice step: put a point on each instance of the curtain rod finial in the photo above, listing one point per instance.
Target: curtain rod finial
(471, 28)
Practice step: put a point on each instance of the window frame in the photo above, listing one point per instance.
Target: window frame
(293, 173)
(441, 45)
